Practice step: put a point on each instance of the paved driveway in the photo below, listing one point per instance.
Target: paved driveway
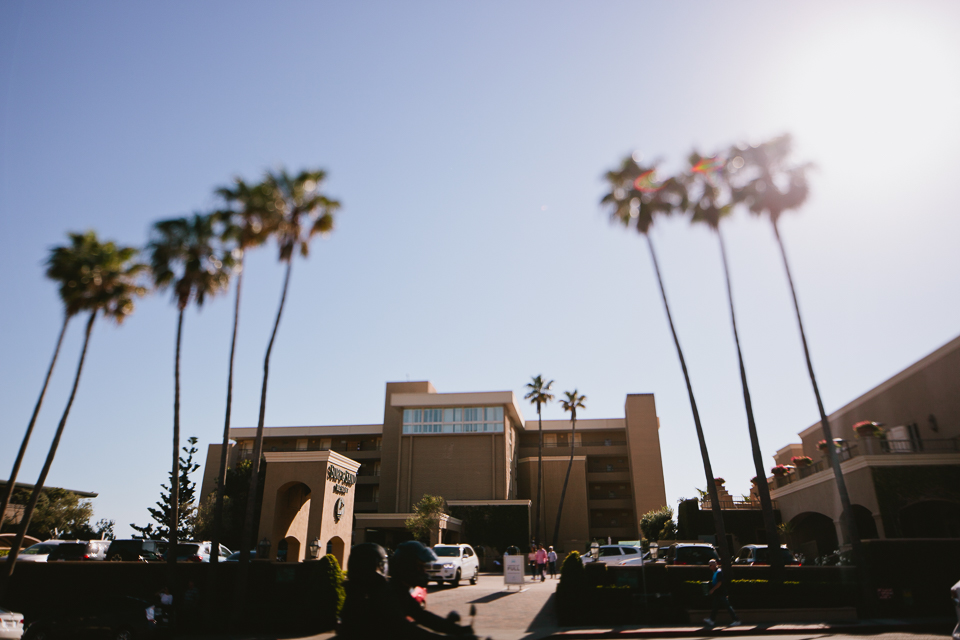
(501, 614)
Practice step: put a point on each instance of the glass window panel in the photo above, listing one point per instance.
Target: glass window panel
(407, 416)
(448, 415)
(458, 428)
(416, 416)
(447, 428)
(499, 413)
(458, 415)
(490, 413)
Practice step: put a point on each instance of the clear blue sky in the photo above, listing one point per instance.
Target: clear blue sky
(467, 143)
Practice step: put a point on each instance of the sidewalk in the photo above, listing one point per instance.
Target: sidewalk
(935, 626)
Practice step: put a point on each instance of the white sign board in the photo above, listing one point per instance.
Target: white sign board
(513, 569)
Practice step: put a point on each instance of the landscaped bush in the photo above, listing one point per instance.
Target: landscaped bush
(330, 592)
(570, 591)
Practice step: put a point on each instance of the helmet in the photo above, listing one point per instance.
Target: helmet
(409, 563)
(367, 558)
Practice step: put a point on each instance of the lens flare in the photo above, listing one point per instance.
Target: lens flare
(645, 182)
(708, 165)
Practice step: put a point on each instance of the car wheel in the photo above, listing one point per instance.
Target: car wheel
(123, 634)
(456, 579)
(476, 576)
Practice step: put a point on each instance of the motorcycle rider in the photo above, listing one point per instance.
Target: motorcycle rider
(378, 608)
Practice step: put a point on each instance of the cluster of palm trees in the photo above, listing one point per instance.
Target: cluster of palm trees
(195, 257)
(763, 179)
(538, 393)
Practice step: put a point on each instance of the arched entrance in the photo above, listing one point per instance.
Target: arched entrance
(335, 547)
(866, 525)
(290, 521)
(815, 534)
(930, 519)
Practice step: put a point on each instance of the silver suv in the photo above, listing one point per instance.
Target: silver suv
(614, 554)
(454, 562)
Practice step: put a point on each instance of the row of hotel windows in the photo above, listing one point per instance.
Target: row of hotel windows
(459, 420)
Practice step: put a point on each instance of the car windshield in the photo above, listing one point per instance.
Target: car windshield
(695, 555)
(447, 552)
(69, 551)
(763, 555)
(187, 549)
(39, 549)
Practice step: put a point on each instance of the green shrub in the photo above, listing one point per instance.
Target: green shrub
(570, 591)
(330, 592)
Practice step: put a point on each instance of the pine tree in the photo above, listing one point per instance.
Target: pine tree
(187, 509)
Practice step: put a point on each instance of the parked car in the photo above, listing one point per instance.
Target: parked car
(133, 550)
(115, 617)
(198, 552)
(40, 551)
(455, 561)
(80, 550)
(11, 624)
(613, 554)
(691, 553)
(758, 554)
(235, 556)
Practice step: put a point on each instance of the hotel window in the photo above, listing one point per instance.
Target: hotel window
(458, 420)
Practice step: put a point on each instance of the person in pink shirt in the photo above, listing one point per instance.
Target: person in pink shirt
(541, 562)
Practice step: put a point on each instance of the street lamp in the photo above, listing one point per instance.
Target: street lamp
(263, 549)
(314, 548)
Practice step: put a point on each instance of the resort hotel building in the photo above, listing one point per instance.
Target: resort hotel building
(328, 487)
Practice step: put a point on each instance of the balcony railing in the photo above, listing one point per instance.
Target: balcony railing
(566, 445)
(735, 503)
(872, 447)
(608, 470)
(247, 454)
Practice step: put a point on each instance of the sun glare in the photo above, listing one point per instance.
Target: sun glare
(876, 87)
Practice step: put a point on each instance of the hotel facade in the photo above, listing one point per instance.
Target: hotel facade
(338, 485)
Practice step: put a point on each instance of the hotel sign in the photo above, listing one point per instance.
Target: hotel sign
(343, 480)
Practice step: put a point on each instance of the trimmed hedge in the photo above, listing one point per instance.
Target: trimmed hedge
(300, 598)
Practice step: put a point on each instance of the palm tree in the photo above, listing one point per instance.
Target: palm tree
(570, 404)
(539, 395)
(709, 203)
(302, 212)
(102, 278)
(184, 255)
(635, 199)
(59, 269)
(769, 185)
(244, 225)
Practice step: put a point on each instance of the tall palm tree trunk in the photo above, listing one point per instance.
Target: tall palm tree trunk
(38, 487)
(536, 535)
(766, 505)
(707, 468)
(847, 523)
(258, 441)
(563, 491)
(175, 470)
(222, 475)
(8, 492)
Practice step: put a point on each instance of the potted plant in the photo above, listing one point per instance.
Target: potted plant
(801, 461)
(869, 432)
(719, 481)
(781, 470)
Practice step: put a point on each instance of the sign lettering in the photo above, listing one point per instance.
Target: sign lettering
(343, 480)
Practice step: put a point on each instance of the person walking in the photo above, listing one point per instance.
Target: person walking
(718, 593)
(541, 562)
(552, 560)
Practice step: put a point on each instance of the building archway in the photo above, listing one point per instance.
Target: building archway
(866, 525)
(335, 547)
(290, 520)
(930, 519)
(814, 533)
